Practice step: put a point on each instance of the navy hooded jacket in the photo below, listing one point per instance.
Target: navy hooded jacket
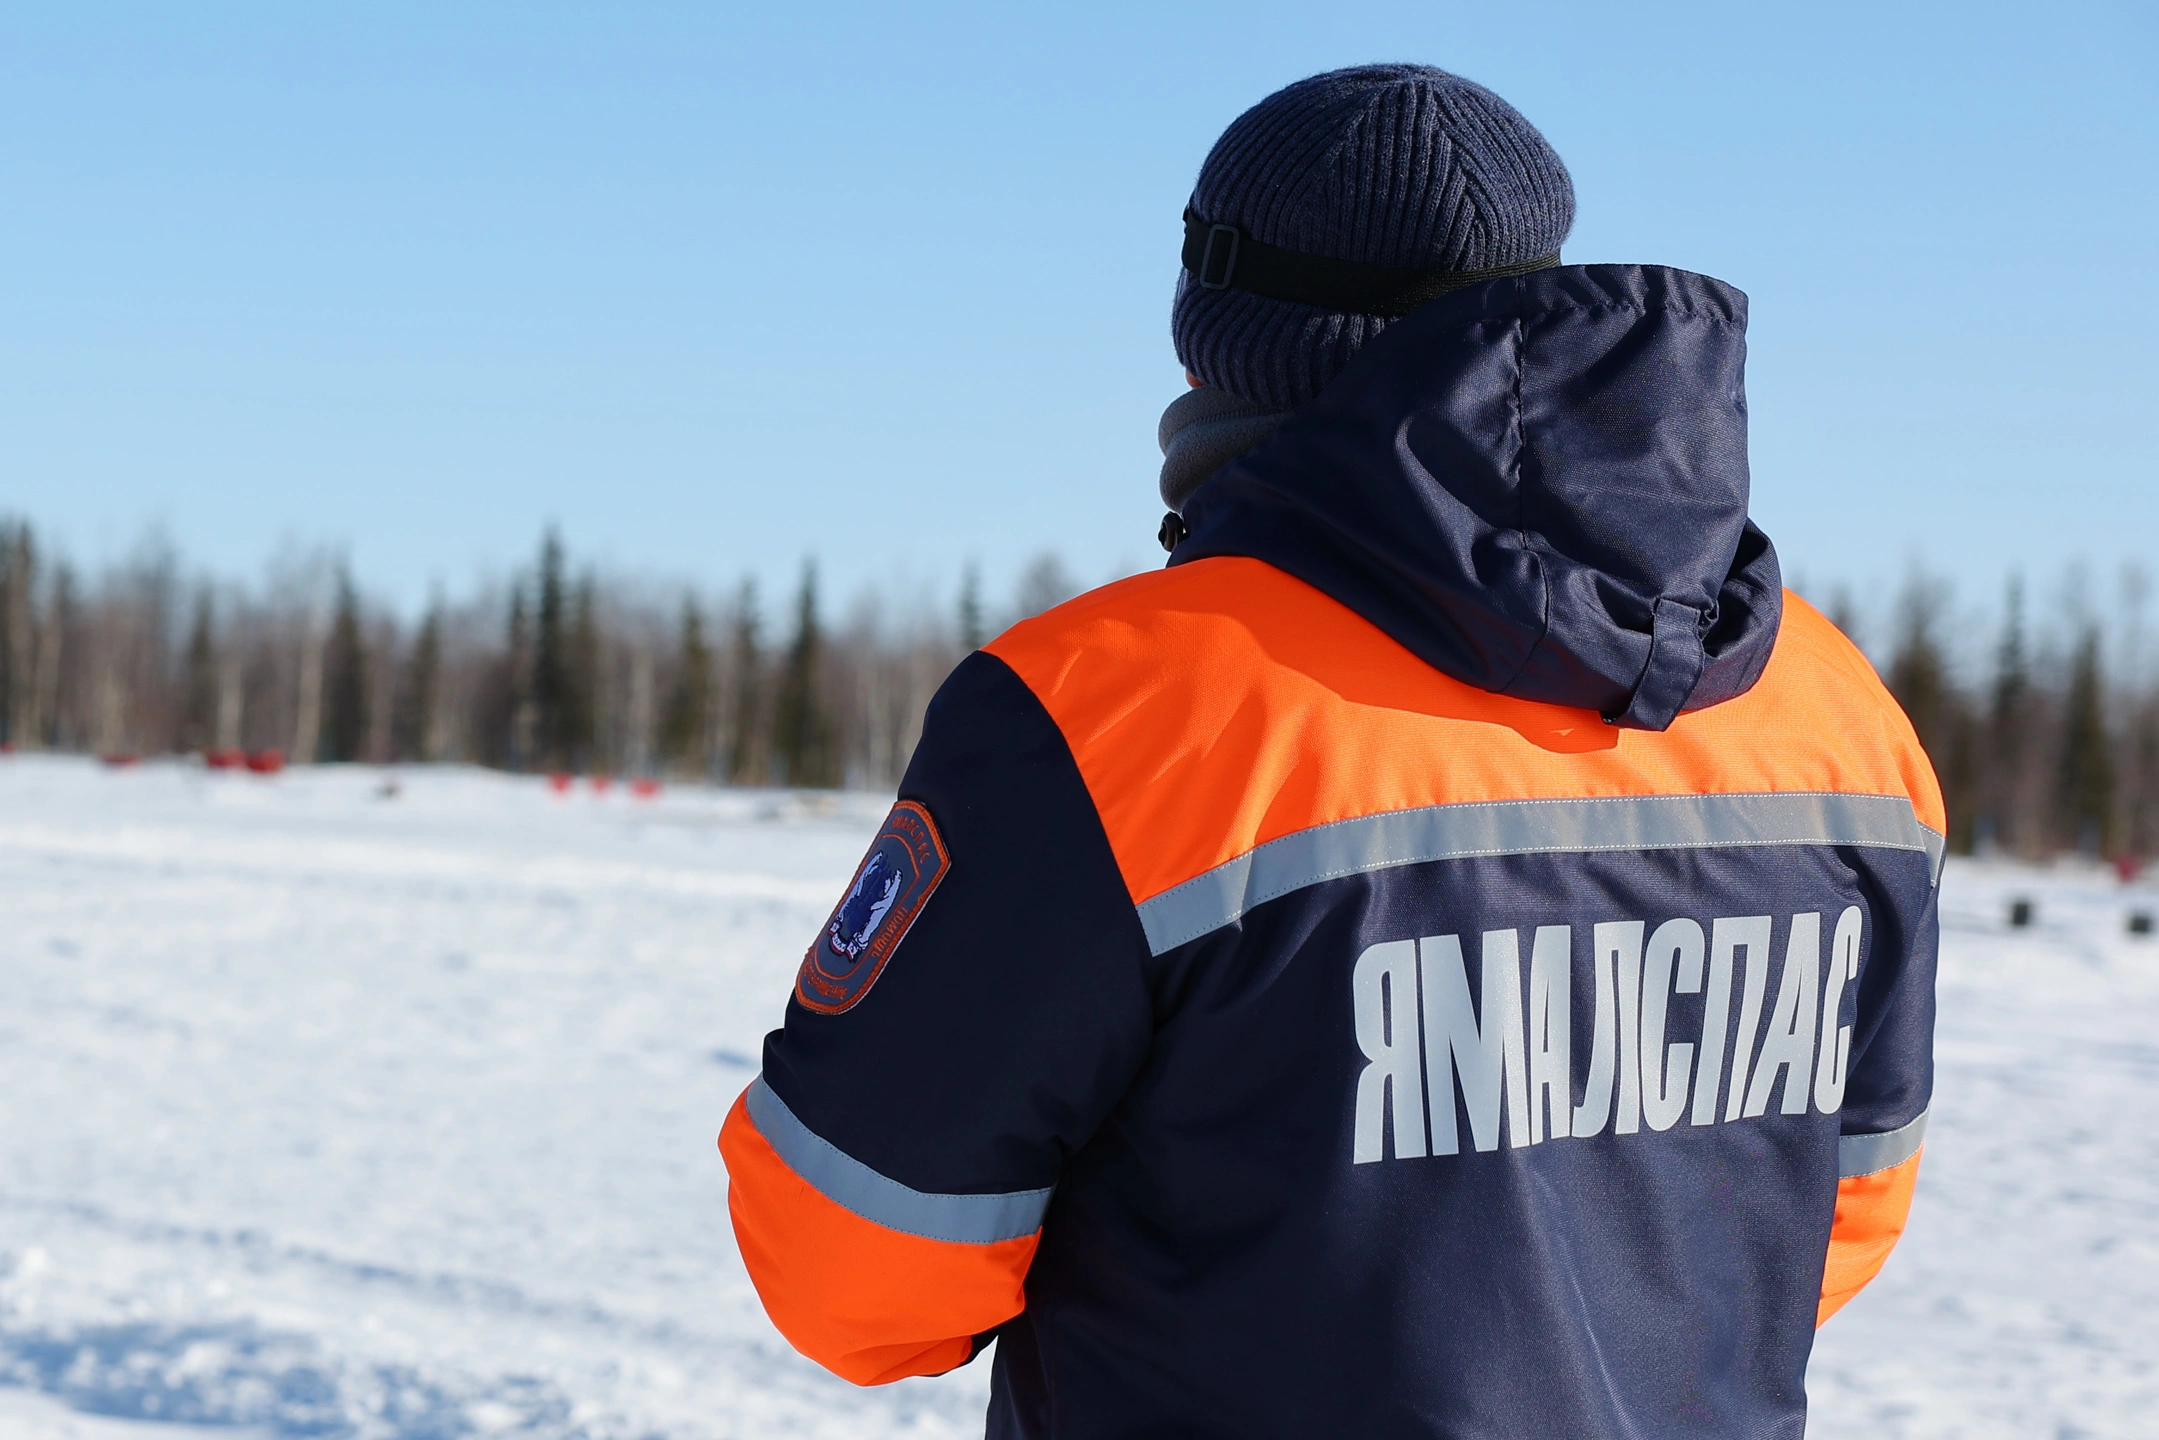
(1451, 955)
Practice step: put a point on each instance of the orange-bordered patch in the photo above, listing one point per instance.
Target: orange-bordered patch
(894, 881)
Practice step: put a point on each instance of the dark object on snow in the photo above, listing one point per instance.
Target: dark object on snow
(2020, 913)
(2140, 922)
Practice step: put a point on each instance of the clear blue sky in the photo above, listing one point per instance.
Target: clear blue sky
(716, 287)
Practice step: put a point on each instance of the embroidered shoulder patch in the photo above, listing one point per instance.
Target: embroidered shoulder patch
(905, 863)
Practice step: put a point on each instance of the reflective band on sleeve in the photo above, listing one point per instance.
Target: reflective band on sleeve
(1937, 849)
(1527, 827)
(846, 1181)
(1871, 1154)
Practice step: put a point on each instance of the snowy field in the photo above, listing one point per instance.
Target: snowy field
(325, 1113)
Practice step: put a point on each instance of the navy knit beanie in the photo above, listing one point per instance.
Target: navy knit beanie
(1395, 165)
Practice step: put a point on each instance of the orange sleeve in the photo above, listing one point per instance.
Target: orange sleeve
(870, 1304)
(1871, 1210)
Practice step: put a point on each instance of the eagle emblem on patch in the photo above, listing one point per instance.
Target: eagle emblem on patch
(904, 864)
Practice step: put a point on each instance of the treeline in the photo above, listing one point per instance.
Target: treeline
(2045, 737)
(561, 669)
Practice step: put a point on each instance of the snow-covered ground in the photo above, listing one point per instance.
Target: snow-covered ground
(325, 1113)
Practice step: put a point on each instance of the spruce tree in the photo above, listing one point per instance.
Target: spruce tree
(61, 632)
(15, 619)
(2142, 838)
(412, 727)
(800, 732)
(2009, 723)
(345, 688)
(2084, 785)
(198, 717)
(747, 746)
(1918, 671)
(689, 705)
(550, 662)
(1919, 679)
(517, 706)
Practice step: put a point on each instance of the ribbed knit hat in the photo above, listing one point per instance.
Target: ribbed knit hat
(1395, 165)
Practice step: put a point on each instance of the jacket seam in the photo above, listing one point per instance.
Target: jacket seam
(1609, 308)
(1521, 509)
(1094, 812)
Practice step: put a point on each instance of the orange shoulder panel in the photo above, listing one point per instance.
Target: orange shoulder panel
(869, 1304)
(1871, 1210)
(1222, 704)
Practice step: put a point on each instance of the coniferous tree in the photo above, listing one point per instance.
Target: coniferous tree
(689, 706)
(55, 653)
(800, 731)
(345, 688)
(2142, 837)
(412, 729)
(2009, 726)
(18, 634)
(1918, 671)
(1961, 775)
(1919, 678)
(747, 749)
(2055, 745)
(517, 685)
(550, 661)
(2084, 786)
(198, 724)
(10, 663)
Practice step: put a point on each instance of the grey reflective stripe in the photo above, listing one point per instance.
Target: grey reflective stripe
(1937, 849)
(1870, 1154)
(1525, 827)
(846, 1181)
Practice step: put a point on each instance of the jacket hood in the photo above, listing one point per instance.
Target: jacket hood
(1538, 486)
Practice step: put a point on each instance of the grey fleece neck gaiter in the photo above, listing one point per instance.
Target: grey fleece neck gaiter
(1203, 430)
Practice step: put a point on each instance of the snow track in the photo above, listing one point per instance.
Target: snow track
(326, 1114)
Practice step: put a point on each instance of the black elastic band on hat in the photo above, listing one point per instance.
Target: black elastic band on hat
(1222, 257)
